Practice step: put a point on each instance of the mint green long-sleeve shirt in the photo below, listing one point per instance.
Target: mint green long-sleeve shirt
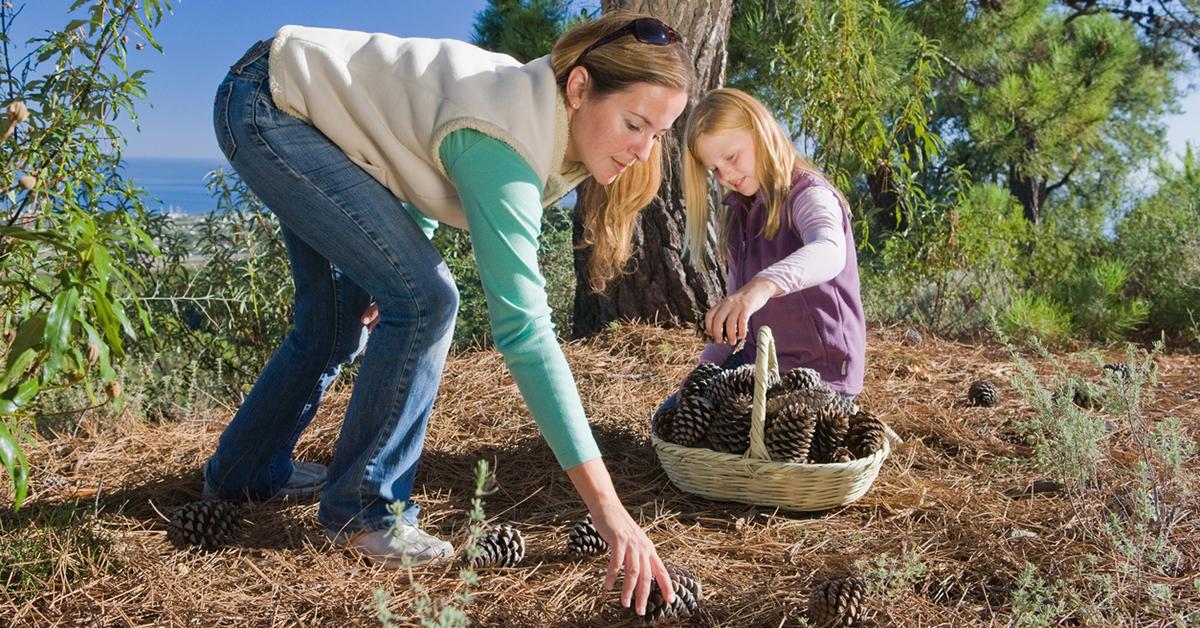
(502, 198)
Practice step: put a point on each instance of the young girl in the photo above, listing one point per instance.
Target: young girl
(784, 235)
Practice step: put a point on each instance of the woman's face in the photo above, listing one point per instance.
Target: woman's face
(610, 133)
(730, 156)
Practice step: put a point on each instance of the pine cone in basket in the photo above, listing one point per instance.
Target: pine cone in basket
(731, 383)
(208, 524)
(865, 435)
(691, 421)
(697, 382)
(730, 433)
(788, 433)
(841, 454)
(836, 602)
(833, 423)
(814, 398)
(798, 378)
(584, 540)
(688, 595)
(663, 420)
(500, 547)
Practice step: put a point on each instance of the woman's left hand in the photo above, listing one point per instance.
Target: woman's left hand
(729, 321)
(370, 317)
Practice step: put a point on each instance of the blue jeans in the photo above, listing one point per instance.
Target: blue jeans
(349, 241)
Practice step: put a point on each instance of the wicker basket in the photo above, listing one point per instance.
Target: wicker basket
(753, 478)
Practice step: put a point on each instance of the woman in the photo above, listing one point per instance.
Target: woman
(361, 144)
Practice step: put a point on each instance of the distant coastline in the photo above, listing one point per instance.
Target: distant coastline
(174, 185)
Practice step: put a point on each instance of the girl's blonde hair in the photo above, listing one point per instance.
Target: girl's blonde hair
(617, 65)
(729, 109)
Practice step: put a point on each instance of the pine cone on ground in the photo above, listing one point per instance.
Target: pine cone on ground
(208, 524)
(500, 547)
(698, 380)
(983, 393)
(1119, 369)
(832, 425)
(788, 433)
(584, 540)
(836, 602)
(866, 434)
(1083, 393)
(691, 421)
(688, 595)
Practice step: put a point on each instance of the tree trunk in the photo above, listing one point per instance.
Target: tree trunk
(662, 286)
(1030, 191)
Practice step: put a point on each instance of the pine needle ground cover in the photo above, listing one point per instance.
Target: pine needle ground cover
(959, 529)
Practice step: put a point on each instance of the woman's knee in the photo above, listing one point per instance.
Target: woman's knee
(433, 297)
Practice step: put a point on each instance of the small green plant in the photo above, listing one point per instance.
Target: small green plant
(1036, 602)
(1099, 306)
(443, 614)
(891, 576)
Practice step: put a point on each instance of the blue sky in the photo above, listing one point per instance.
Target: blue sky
(203, 37)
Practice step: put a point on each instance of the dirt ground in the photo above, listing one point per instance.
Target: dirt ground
(90, 545)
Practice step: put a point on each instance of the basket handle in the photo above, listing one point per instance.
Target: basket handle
(766, 364)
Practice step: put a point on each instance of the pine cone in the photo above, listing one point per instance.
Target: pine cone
(983, 393)
(865, 435)
(798, 378)
(841, 454)
(731, 383)
(730, 433)
(912, 337)
(698, 380)
(1119, 369)
(833, 423)
(1083, 394)
(788, 433)
(687, 598)
(208, 524)
(691, 422)
(500, 547)
(584, 540)
(663, 422)
(812, 398)
(836, 602)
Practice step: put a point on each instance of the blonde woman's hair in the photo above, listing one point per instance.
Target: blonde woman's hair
(729, 109)
(612, 209)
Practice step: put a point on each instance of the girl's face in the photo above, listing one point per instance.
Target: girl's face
(610, 133)
(730, 156)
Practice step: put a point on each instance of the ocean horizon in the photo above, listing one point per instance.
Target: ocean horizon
(174, 185)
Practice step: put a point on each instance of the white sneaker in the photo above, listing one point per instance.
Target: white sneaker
(381, 547)
(307, 481)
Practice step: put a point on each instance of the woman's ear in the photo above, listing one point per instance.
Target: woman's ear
(577, 86)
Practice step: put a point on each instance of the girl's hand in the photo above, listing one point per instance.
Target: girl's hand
(729, 321)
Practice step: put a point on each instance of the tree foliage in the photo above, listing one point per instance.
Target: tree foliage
(69, 221)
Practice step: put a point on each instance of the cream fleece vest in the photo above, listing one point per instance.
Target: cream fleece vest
(388, 102)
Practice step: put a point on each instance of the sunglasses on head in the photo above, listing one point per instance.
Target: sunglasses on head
(647, 30)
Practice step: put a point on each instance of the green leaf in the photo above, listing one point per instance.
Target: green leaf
(29, 336)
(16, 398)
(58, 328)
(15, 371)
(14, 462)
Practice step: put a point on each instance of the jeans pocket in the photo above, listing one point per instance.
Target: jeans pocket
(221, 120)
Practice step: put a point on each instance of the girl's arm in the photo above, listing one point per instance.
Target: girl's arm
(816, 216)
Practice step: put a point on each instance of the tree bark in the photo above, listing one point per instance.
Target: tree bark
(662, 287)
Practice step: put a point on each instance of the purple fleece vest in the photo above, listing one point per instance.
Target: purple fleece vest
(822, 327)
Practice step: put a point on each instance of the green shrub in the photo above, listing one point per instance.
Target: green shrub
(72, 223)
(1159, 240)
(1028, 316)
(1099, 304)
